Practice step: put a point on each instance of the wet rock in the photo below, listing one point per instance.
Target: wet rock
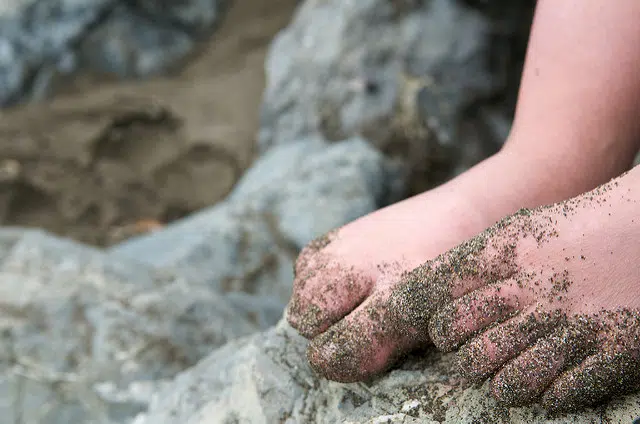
(400, 73)
(88, 338)
(41, 39)
(265, 378)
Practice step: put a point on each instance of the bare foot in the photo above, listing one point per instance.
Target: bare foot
(572, 131)
(547, 301)
(344, 281)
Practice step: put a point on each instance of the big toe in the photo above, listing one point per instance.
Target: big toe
(325, 289)
(390, 323)
(363, 344)
(325, 297)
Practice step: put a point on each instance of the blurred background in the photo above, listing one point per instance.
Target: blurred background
(162, 162)
(121, 116)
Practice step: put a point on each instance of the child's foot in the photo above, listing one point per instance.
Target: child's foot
(547, 300)
(343, 282)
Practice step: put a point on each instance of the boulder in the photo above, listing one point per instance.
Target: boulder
(265, 378)
(400, 73)
(87, 338)
(40, 39)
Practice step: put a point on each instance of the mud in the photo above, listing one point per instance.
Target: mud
(108, 159)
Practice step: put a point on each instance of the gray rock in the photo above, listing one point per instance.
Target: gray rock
(40, 39)
(130, 44)
(356, 67)
(87, 338)
(36, 37)
(310, 187)
(193, 16)
(265, 379)
(291, 195)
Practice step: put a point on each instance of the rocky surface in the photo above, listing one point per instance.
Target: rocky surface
(86, 338)
(88, 335)
(265, 379)
(291, 195)
(400, 73)
(41, 39)
(182, 319)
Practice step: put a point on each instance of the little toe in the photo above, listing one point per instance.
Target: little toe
(614, 370)
(525, 378)
(483, 355)
(457, 321)
(598, 378)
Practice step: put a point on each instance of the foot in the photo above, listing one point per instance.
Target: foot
(546, 302)
(344, 281)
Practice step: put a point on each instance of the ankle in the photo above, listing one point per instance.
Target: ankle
(510, 180)
(566, 163)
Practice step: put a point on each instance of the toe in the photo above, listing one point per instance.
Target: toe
(524, 379)
(598, 378)
(389, 323)
(483, 355)
(613, 370)
(366, 342)
(325, 297)
(473, 264)
(324, 290)
(455, 322)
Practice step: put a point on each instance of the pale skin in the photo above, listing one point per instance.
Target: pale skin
(577, 126)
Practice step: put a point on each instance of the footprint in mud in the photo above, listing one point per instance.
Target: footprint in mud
(93, 168)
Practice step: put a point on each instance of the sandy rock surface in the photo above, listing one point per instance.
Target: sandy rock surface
(265, 378)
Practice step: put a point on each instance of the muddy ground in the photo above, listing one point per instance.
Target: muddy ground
(105, 159)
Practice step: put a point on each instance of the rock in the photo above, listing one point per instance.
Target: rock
(40, 39)
(134, 44)
(193, 16)
(265, 378)
(401, 73)
(87, 338)
(311, 187)
(248, 243)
